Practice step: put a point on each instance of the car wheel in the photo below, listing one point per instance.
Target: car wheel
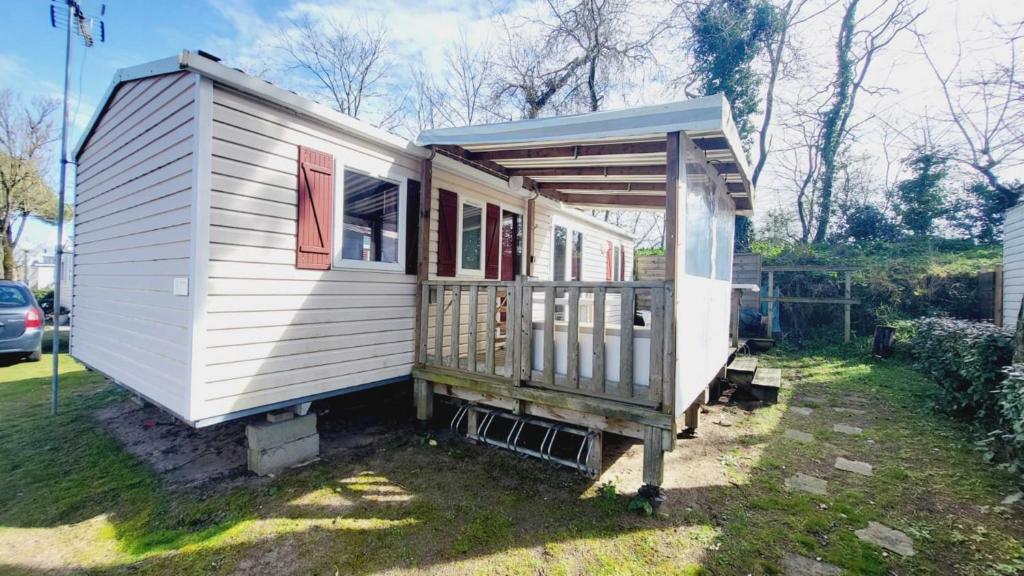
(36, 354)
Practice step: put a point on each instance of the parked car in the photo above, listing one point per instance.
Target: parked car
(21, 322)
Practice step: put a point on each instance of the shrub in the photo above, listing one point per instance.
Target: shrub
(1010, 401)
(971, 363)
(966, 359)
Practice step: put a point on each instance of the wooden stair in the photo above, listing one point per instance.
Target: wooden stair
(763, 383)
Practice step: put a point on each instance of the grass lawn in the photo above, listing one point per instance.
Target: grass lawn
(72, 500)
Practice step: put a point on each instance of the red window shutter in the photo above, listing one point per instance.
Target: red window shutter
(447, 217)
(622, 263)
(492, 242)
(608, 263)
(412, 227)
(315, 210)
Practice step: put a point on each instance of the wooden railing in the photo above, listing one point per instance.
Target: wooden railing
(574, 337)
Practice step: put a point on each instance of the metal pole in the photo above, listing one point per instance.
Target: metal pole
(55, 346)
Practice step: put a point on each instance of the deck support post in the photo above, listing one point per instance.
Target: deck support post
(691, 418)
(654, 466)
(595, 457)
(423, 391)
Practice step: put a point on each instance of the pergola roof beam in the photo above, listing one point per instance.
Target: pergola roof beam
(614, 200)
(607, 171)
(609, 186)
(657, 147)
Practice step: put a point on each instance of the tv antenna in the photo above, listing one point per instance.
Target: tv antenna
(67, 15)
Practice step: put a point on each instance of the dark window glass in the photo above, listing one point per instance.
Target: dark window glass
(13, 297)
(472, 234)
(370, 231)
(577, 255)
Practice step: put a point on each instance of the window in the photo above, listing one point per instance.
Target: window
(567, 259)
(725, 222)
(13, 297)
(700, 220)
(471, 236)
(577, 255)
(559, 259)
(370, 230)
(617, 264)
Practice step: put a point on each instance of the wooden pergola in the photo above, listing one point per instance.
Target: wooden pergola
(643, 158)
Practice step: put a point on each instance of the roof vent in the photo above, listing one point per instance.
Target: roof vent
(207, 55)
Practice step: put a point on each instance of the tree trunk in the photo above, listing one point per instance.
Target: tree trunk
(8, 252)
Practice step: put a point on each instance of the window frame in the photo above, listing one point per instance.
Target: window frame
(471, 272)
(502, 208)
(338, 262)
(570, 229)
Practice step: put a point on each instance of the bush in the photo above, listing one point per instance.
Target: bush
(1009, 438)
(971, 363)
(966, 359)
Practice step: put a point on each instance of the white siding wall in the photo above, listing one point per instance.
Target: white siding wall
(274, 332)
(595, 241)
(1013, 264)
(133, 198)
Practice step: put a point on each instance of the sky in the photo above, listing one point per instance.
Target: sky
(243, 32)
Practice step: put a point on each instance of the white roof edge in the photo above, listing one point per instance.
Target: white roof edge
(254, 86)
(696, 114)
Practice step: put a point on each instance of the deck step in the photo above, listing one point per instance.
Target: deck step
(741, 370)
(766, 384)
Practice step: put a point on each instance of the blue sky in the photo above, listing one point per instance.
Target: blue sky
(32, 53)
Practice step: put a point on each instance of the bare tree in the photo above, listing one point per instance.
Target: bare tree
(778, 50)
(347, 63)
(568, 57)
(861, 39)
(986, 107)
(26, 132)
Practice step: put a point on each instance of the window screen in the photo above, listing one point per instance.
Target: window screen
(725, 222)
(472, 237)
(700, 224)
(370, 231)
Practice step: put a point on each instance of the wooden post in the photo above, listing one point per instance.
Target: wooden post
(846, 309)
(492, 311)
(549, 335)
(734, 315)
(997, 291)
(594, 458)
(771, 304)
(439, 325)
(572, 337)
(673, 149)
(597, 377)
(530, 217)
(691, 418)
(473, 322)
(626, 306)
(654, 456)
(423, 391)
(422, 259)
(456, 347)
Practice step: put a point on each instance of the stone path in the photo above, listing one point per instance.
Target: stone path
(799, 436)
(862, 468)
(797, 565)
(875, 533)
(887, 538)
(805, 483)
(846, 429)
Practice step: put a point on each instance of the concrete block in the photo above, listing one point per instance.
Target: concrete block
(278, 458)
(279, 416)
(262, 435)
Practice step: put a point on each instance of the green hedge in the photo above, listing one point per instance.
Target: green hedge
(972, 364)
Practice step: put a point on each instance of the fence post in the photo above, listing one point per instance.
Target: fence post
(846, 312)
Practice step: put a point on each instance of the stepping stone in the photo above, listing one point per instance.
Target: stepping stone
(862, 468)
(797, 565)
(887, 538)
(801, 410)
(799, 436)
(846, 429)
(806, 483)
(850, 410)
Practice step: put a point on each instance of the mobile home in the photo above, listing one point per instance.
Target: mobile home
(240, 249)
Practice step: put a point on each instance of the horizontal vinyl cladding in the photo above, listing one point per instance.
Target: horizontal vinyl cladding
(1013, 264)
(274, 332)
(133, 197)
